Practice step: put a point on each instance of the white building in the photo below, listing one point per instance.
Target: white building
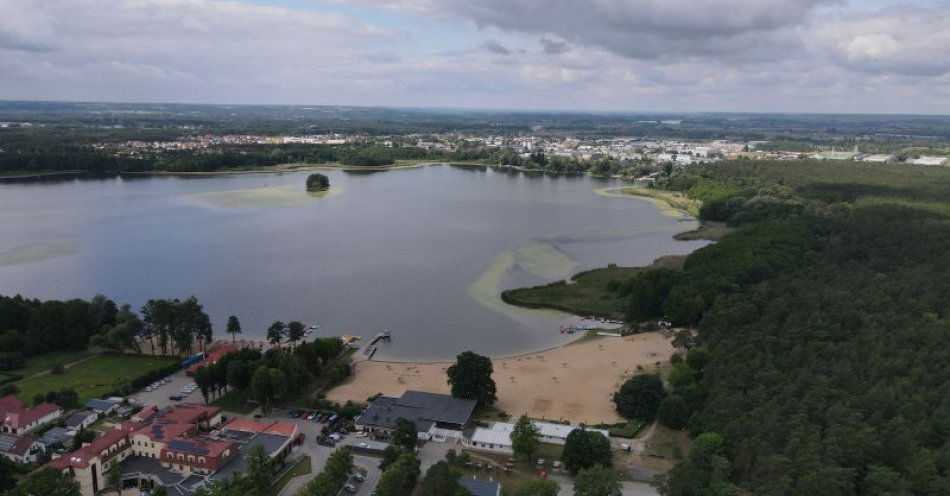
(929, 160)
(497, 437)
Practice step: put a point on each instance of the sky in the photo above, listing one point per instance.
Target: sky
(849, 56)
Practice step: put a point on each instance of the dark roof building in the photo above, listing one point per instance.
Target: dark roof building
(430, 412)
(480, 487)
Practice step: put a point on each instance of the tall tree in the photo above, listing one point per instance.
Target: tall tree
(295, 332)
(114, 477)
(525, 438)
(405, 434)
(584, 449)
(471, 378)
(202, 378)
(598, 481)
(234, 327)
(260, 472)
(276, 332)
(639, 397)
(442, 480)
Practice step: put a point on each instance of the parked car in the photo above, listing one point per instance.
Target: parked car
(359, 477)
(350, 488)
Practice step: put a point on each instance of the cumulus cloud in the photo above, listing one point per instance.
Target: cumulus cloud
(911, 42)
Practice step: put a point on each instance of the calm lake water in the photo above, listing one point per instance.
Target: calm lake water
(423, 252)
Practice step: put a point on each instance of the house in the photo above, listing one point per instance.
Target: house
(81, 420)
(926, 160)
(56, 438)
(478, 487)
(212, 357)
(437, 417)
(104, 407)
(20, 449)
(17, 418)
(497, 437)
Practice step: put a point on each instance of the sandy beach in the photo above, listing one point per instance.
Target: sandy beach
(574, 382)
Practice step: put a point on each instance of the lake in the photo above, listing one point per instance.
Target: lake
(423, 252)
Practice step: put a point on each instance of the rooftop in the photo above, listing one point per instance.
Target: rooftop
(480, 487)
(420, 407)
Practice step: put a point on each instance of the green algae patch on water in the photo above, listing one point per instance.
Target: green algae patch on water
(36, 252)
(668, 203)
(266, 197)
(486, 290)
(544, 260)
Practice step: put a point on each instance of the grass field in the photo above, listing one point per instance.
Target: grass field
(234, 402)
(586, 293)
(94, 377)
(302, 467)
(46, 361)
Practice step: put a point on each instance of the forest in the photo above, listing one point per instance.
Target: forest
(822, 322)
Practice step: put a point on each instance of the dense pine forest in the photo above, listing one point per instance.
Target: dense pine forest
(823, 320)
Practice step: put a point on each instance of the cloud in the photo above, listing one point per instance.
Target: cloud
(496, 48)
(911, 42)
(553, 47)
(24, 27)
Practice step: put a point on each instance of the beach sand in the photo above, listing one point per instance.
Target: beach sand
(574, 382)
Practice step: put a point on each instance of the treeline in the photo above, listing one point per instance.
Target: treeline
(274, 375)
(822, 320)
(31, 327)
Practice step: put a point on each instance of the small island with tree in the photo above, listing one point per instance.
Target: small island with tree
(317, 183)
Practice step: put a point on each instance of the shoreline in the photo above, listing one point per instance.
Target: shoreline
(300, 166)
(553, 384)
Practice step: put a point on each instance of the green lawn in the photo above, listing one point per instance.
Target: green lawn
(233, 401)
(94, 377)
(46, 361)
(586, 294)
(302, 467)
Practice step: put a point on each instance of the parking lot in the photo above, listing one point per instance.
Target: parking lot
(160, 396)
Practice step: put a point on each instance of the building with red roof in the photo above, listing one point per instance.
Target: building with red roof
(20, 449)
(17, 418)
(160, 444)
(212, 357)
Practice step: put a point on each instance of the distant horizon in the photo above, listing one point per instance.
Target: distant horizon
(479, 109)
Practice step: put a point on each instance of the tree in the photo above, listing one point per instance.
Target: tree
(261, 387)
(639, 397)
(442, 480)
(673, 412)
(405, 434)
(705, 472)
(275, 333)
(597, 481)
(525, 438)
(295, 332)
(539, 487)
(334, 475)
(48, 482)
(390, 455)
(470, 378)
(584, 449)
(400, 478)
(114, 477)
(260, 473)
(202, 378)
(233, 328)
(317, 182)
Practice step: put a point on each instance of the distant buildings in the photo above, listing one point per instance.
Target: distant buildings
(18, 419)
